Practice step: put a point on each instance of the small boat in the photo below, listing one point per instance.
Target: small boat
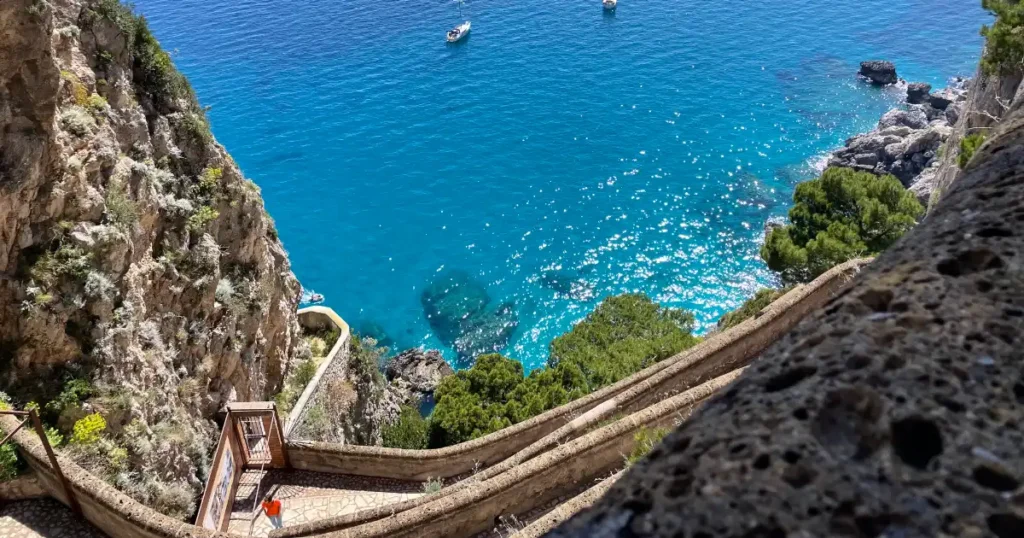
(609, 4)
(316, 298)
(459, 32)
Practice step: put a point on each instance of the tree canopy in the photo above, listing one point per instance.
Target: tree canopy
(841, 215)
(622, 336)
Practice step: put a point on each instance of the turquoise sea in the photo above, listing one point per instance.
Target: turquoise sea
(556, 156)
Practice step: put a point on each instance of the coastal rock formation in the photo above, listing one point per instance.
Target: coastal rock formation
(134, 254)
(989, 100)
(879, 72)
(906, 143)
(895, 410)
(414, 374)
(917, 92)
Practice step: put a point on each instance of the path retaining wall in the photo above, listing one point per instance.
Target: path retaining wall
(319, 318)
(720, 353)
(473, 509)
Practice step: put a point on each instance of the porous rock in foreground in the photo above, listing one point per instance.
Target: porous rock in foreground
(893, 411)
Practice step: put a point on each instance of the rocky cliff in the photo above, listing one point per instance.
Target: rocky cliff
(134, 254)
(990, 99)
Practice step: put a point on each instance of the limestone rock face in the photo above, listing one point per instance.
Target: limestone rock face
(133, 251)
(879, 72)
(895, 410)
(414, 374)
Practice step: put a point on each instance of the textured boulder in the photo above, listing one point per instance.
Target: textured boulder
(895, 410)
(878, 72)
(917, 92)
(414, 374)
(913, 118)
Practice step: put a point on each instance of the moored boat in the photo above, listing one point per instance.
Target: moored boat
(459, 32)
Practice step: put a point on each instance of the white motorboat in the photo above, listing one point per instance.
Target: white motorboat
(609, 4)
(459, 32)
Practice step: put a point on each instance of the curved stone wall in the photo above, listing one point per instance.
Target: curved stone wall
(720, 353)
(317, 318)
(473, 509)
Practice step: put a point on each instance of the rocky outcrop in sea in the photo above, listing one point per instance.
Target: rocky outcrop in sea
(878, 72)
(907, 141)
(414, 374)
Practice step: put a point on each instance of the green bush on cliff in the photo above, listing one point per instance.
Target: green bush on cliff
(622, 336)
(409, 431)
(750, 307)
(153, 70)
(968, 146)
(841, 215)
(1004, 40)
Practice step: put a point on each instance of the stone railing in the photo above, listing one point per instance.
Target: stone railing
(473, 508)
(317, 318)
(720, 353)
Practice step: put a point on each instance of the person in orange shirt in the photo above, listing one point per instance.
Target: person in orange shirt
(272, 507)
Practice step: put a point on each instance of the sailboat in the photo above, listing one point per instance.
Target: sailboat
(460, 31)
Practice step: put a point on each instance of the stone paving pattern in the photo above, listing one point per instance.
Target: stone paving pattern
(309, 496)
(45, 518)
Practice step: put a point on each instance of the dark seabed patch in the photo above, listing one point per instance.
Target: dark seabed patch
(456, 307)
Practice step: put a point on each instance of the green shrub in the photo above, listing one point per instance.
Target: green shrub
(10, 464)
(96, 103)
(196, 127)
(366, 360)
(751, 307)
(1004, 40)
(643, 441)
(410, 431)
(75, 392)
(121, 210)
(66, 262)
(968, 146)
(209, 180)
(88, 429)
(295, 384)
(841, 215)
(201, 218)
(623, 335)
(433, 485)
(77, 121)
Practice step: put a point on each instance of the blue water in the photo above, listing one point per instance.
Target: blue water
(557, 147)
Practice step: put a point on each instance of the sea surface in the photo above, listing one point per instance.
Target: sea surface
(558, 155)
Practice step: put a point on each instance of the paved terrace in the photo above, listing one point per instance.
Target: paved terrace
(308, 496)
(42, 518)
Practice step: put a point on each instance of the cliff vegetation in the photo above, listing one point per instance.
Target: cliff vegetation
(142, 285)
